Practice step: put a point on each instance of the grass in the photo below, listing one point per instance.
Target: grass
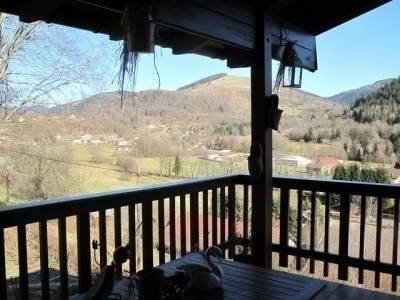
(307, 149)
(290, 110)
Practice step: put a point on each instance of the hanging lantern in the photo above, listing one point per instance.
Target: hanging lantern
(293, 67)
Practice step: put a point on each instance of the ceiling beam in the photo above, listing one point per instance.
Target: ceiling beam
(35, 10)
(210, 20)
(199, 20)
(183, 43)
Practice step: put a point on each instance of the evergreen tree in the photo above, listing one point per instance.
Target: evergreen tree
(345, 147)
(340, 173)
(375, 148)
(358, 156)
(177, 168)
(353, 172)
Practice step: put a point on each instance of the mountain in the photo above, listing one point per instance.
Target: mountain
(212, 100)
(382, 105)
(348, 97)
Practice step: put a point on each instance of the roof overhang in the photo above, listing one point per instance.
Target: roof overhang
(219, 29)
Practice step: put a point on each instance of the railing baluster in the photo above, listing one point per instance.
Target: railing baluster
(378, 239)
(23, 263)
(312, 237)
(225, 190)
(132, 237)
(44, 260)
(344, 225)
(362, 238)
(117, 239)
(284, 227)
(102, 238)
(84, 253)
(183, 223)
(147, 227)
(194, 220)
(395, 242)
(161, 231)
(299, 227)
(222, 211)
(62, 248)
(327, 230)
(246, 212)
(214, 217)
(3, 283)
(172, 228)
(205, 219)
(231, 216)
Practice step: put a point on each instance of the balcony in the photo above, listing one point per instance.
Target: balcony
(46, 246)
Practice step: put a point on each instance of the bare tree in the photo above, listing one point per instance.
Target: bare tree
(48, 66)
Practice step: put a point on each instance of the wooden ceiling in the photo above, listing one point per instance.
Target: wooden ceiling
(221, 29)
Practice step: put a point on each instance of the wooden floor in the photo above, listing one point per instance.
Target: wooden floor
(336, 291)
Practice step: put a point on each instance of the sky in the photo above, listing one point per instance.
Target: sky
(359, 52)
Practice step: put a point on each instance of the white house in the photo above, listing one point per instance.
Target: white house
(123, 143)
(294, 161)
(86, 137)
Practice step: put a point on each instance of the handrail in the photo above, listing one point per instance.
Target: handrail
(338, 186)
(64, 207)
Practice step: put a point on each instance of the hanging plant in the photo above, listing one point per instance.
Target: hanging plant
(139, 25)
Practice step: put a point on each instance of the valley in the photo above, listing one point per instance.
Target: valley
(154, 137)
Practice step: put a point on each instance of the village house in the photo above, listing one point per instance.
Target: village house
(123, 143)
(331, 162)
(317, 167)
(354, 210)
(394, 175)
(215, 157)
(86, 137)
(294, 161)
(325, 165)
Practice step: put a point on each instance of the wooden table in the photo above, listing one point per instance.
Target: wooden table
(242, 281)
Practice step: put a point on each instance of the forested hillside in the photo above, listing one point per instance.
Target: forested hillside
(382, 105)
(348, 97)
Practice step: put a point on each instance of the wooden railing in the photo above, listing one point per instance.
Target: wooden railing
(176, 217)
(142, 217)
(356, 241)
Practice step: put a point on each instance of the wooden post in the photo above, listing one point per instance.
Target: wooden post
(261, 88)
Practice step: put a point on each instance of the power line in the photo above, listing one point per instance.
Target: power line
(82, 165)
